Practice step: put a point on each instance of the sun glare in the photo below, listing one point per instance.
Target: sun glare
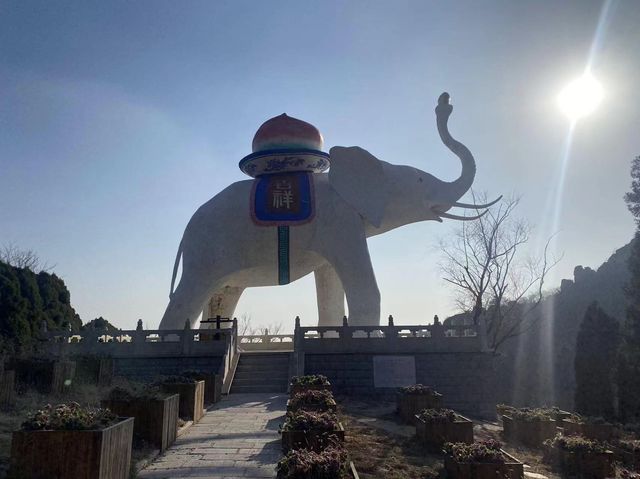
(580, 97)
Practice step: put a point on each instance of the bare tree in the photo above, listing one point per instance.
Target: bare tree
(493, 281)
(21, 258)
(245, 328)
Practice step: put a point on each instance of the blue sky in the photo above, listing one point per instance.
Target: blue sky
(118, 119)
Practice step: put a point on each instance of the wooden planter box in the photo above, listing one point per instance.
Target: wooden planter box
(353, 471)
(7, 389)
(296, 389)
(529, 433)
(191, 399)
(156, 420)
(598, 432)
(309, 439)
(97, 454)
(212, 386)
(332, 407)
(94, 370)
(47, 377)
(434, 435)
(510, 469)
(594, 465)
(630, 459)
(408, 405)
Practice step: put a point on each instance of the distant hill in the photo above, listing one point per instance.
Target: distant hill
(28, 299)
(537, 368)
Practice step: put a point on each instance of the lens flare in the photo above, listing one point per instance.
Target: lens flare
(580, 97)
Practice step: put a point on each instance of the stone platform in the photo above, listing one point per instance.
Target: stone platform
(237, 438)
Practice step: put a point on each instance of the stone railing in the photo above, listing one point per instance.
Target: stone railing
(141, 343)
(266, 342)
(389, 339)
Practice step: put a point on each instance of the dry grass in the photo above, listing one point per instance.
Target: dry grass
(30, 400)
(380, 454)
(529, 456)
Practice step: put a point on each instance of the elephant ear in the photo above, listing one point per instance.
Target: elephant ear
(359, 178)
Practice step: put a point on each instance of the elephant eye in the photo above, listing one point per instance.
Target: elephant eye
(420, 180)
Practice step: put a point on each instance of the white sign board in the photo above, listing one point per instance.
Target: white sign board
(394, 371)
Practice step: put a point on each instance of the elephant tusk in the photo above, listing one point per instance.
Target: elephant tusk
(476, 207)
(461, 218)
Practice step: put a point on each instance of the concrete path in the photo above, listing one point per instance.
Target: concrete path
(236, 439)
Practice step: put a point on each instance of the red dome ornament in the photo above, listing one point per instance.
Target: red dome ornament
(285, 145)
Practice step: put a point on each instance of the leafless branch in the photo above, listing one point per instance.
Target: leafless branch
(483, 262)
(23, 258)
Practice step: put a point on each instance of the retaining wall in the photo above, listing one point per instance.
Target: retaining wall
(466, 379)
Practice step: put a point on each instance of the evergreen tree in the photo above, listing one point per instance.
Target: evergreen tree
(629, 362)
(26, 300)
(596, 351)
(99, 324)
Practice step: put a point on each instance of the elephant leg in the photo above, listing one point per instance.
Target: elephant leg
(330, 296)
(223, 302)
(188, 301)
(351, 261)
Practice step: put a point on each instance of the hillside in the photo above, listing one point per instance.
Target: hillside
(537, 368)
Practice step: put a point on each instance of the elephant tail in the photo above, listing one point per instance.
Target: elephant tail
(175, 268)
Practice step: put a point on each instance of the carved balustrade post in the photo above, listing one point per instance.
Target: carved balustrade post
(437, 329)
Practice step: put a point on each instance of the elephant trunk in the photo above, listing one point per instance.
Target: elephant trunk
(457, 188)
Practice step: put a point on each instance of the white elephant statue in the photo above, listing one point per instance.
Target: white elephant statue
(223, 250)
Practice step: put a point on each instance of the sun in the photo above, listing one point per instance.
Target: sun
(580, 97)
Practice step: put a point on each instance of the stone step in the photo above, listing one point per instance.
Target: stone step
(257, 377)
(262, 370)
(264, 357)
(261, 373)
(275, 362)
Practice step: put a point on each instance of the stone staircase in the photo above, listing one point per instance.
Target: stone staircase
(261, 372)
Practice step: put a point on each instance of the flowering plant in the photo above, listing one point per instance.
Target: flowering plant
(69, 416)
(482, 451)
(330, 463)
(532, 414)
(307, 420)
(431, 416)
(418, 389)
(310, 380)
(137, 391)
(575, 444)
(632, 445)
(316, 400)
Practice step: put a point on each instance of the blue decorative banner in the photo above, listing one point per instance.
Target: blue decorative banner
(284, 199)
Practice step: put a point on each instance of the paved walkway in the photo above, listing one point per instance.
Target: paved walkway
(237, 439)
